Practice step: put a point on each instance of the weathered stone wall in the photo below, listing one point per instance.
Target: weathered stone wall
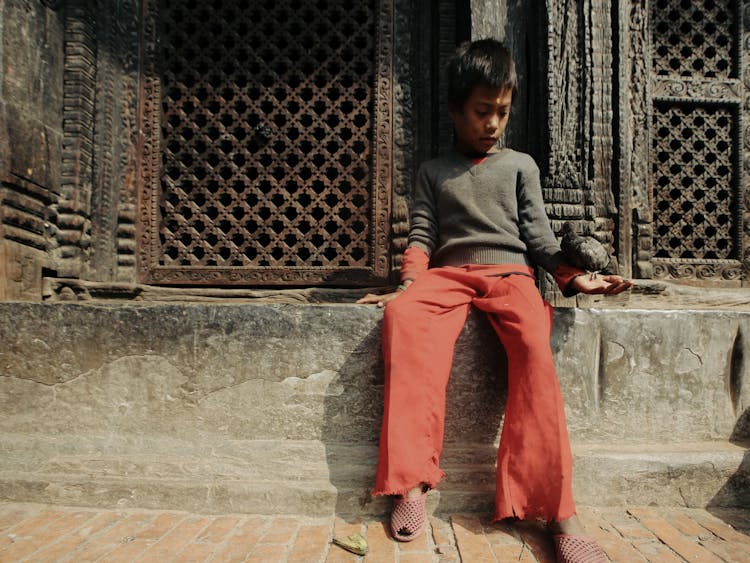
(31, 92)
(235, 407)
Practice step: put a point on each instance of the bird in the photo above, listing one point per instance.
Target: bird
(586, 253)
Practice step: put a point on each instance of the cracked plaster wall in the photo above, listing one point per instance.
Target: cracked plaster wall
(200, 373)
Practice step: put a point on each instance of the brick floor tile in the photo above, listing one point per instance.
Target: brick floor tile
(538, 540)
(343, 528)
(160, 525)
(125, 527)
(268, 553)
(447, 554)
(10, 516)
(667, 533)
(28, 528)
(470, 539)
(720, 528)
(218, 529)
(241, 540)
(129, 550)
(421, 543)
(738, 518)
(682, 521)
(610, 540)
(506, 542)
(195, 552)
(502, 533)
(381, 547)
(71, 542)
(175, 541)
(507, 553)
(281, 530)
(734, 553)
(51, 534)
(626, 524)
(416, 558)
(442, 533)
(311, 543)
(656, 552)
(148, 535)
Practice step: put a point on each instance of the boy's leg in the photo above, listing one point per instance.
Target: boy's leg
(420, 328)
(534, 474)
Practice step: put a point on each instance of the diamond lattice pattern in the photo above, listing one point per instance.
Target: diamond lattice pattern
(695, 38)
(267, 128)
(695, 194)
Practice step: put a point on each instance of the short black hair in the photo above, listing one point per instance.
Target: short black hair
(485, 61)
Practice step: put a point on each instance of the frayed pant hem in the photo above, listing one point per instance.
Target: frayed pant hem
(531, 515)
(391, 491)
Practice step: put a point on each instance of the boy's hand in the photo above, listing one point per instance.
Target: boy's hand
(604, 284)
(379, 300)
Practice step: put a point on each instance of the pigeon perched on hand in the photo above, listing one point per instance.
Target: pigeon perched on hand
(586, 253)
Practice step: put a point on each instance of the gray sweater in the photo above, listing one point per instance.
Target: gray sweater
(487, 213)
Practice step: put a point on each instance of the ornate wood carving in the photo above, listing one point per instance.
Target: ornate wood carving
(404, 122)
(696, 149)
(115, 135)
(636, 192)
(79, 92)
(578, 182)
(277, 175)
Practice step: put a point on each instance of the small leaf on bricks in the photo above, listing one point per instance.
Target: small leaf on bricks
(354, 543)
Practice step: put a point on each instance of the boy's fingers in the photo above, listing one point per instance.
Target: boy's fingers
(379, 300)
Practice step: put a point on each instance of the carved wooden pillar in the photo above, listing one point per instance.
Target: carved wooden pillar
(578, 161)
(79, 94)
(113, 198)
(30, 137)
(96, 210)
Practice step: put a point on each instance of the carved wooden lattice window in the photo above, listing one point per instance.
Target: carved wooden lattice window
(268, 138)
(696, 140)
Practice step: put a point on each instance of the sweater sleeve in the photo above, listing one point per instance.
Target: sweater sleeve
(564, 276)
(423, 232)
(542, 246)
(414, 263)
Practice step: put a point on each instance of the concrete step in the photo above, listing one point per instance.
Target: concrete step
(276, 408)
(315, 478)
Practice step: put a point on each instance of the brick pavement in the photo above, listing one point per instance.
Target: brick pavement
(30, 532)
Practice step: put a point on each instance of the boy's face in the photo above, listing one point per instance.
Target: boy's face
(482, 120)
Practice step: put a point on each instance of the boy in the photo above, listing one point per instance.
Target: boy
(478, 225)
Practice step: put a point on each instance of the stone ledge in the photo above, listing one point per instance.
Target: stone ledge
(316, 479)
(314, 372)
(154, 405)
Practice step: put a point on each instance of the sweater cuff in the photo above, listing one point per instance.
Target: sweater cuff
(415, 262)
(564, 276)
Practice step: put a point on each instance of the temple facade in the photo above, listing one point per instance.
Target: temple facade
(255, 144)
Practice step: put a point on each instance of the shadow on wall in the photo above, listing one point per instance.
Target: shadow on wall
(735, 494)
(353, 414)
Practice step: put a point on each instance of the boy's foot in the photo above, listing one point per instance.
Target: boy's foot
(572, 545)
(570, 525)
(409, 515)
(571, 548)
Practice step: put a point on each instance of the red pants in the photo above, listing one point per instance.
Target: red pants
(420, 327)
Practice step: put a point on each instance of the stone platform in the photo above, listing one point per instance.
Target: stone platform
(275, 408)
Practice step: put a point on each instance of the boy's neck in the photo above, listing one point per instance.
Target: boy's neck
(477, 156)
